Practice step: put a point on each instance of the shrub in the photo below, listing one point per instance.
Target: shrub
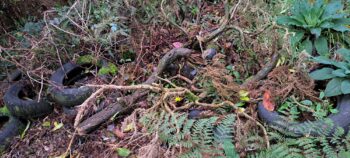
(312, 21)
(338, 72)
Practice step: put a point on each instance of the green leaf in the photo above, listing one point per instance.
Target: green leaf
(316, 32)
(4, 111)
(109, 69)
(321, 46)
(341, 25)
(339, 73)
(57, 126)
(123, 152)
(25, 130)
(46, 124)
(327, 25)
(191, 97)
(307, 46)
(332, 8)
(286, 20)
(298, 36)
(333, 111)
(321, 95)
(322, 74)
(345, 87)
(229, 149)
(333, 87)
(85, 59)
(342, 65)
(345, 53)
(246, 98)
(323, 60)
(306, 102)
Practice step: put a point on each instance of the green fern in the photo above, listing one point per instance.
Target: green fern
(212, 136)
(336, 145)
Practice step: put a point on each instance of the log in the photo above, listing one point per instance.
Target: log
(127, 103)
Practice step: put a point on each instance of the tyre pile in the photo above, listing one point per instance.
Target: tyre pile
(23, 103)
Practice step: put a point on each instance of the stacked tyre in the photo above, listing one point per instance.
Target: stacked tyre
(65, 96)
(23, 104)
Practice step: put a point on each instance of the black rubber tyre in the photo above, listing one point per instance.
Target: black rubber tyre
(70, 113)
(68, 97)
(10, 128)
(314, 128)
(22, 108)
(15, 75)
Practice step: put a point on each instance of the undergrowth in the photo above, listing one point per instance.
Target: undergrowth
(334, 146)
(210, 136)
(138, 32)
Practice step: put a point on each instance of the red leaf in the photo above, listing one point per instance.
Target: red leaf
(119, 133)
(177, 44)
(267, 101)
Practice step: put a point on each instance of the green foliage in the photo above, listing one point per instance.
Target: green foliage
(127, 56)
(333, 146)
(191, 97)
(123, 152)
(33, 28)
(109, 69)
(4, 111)
(293, 108)
(337, 71)
(233, 72)
(311, 21)
(197, 136)
(85, 59)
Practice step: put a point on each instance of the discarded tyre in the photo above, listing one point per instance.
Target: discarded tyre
(315, 128)
(64, 76)
(22, 102)
(15, 75)
(9, 128)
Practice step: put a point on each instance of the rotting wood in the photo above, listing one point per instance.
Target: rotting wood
(126, 103)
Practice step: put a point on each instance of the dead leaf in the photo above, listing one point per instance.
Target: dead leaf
(119, 133)
(267, 101)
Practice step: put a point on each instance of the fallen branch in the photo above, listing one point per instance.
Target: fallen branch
(264, 71)
(126, 103)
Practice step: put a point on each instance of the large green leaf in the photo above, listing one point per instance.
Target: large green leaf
(339, 73)
(323, 60)
(298, 36)
(345, 87)
(345, 53)
(342, 65)
(321, 46)
(300, 6)
(322, 74)
(286, 20)
(316, 32)
(333, 87)
(341, 25)
(307, 46)
(332, 7)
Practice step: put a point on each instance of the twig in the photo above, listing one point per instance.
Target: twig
(41, 86)
(70, 145)
(85, 105)
(225, 21)
(301, 105)
(264, 71)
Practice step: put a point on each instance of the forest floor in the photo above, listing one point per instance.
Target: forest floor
(134, 36)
